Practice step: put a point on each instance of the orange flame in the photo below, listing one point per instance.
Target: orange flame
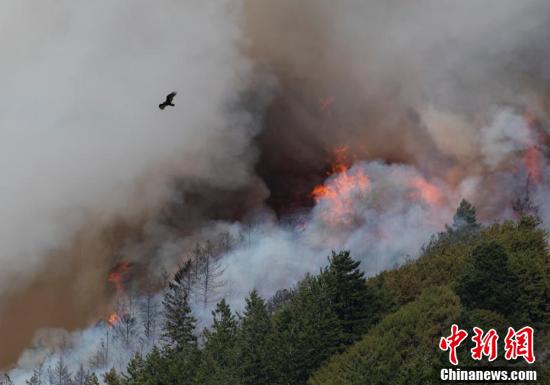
(532, 159)
(337, 193)
(427, 192)
(116, 276)
(113, 319)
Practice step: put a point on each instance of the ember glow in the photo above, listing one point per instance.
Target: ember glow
(118, 275)
(533, 161)
(113, 319)
(340, 191)
(427, 192)
(418, 124)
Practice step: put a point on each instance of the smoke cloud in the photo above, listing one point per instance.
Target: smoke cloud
(87, 156)
(431, 102)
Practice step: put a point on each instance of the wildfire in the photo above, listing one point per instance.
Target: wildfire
(532, 157)
(116, 276)
(113, 319)
(337, 193)
(426, 191)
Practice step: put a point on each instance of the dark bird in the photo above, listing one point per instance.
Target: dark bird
(168, 101)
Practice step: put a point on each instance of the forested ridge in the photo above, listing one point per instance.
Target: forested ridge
(338, 327)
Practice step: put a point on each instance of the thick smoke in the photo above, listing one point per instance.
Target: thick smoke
(87, 156)
(433, 101)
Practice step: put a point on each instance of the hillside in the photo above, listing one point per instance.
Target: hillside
(337, 327)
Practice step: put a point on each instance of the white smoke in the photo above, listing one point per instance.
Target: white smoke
(81, 135)
(506, 136)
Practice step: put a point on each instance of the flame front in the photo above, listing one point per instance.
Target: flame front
(113, 319)
(533, 158)
(427, 192)
(337, 193)
(116, 276)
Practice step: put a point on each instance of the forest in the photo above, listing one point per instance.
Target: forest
(340, 327)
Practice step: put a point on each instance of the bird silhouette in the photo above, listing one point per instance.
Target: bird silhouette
(168, 101)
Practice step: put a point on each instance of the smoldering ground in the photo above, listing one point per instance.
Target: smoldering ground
(93, 172)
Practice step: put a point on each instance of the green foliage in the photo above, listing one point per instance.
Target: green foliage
(486, 319)
(220, 361)
(254, 343)
(134, 371)
(400, 349)
(112, 378)
(465, 217)
(347, 294)
(179, 322)
(529, 262)
(487, 282)
(306, 332)
(339, 328)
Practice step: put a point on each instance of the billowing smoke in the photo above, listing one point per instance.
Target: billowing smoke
(299, 127)
(88, 158)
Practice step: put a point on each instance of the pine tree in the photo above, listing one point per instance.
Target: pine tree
(112, 378)
(222, 338)
(307, 331)
(179, 323)
(219, 363)
(348, 294)
(255, 355)
(134, 371)
(486, 282)
(465, 220)
(91, 379)
(280, 298)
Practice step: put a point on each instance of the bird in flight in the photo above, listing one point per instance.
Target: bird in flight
(168, 101)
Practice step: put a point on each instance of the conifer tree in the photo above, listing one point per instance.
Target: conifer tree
(219, 358)
(255, 357)
(91, 379)
(134, 370)
(306, 332)
(348, 294)
(112, 378)
(221, 339)
(487, 282)
(465, 219)
(179, 326)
